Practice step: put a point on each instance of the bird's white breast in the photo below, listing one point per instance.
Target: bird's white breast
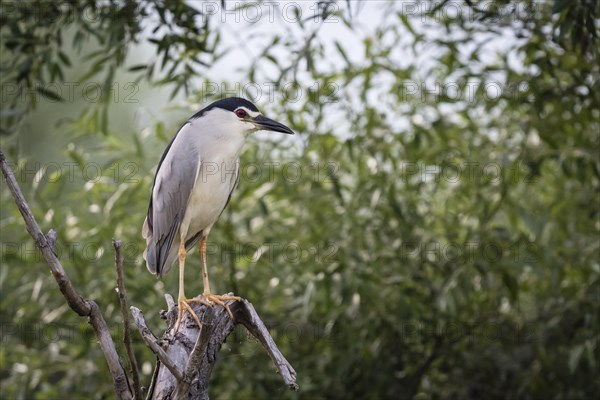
(218, 149)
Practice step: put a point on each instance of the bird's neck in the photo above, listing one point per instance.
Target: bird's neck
(221, 148)
(218, 143)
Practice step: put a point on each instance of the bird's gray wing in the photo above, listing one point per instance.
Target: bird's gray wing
(173, 184)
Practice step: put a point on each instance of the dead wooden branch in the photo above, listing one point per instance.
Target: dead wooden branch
(154, 343)
(248, 317)
(84, 308)
(137, 389)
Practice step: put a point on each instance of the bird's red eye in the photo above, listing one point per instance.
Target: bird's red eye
(241, 113)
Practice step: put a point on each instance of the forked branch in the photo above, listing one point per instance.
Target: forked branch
(190, 355)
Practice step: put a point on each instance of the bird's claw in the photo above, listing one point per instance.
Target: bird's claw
(208, 299)
(182, 305)
(220, 300)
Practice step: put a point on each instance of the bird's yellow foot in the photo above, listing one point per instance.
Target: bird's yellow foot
(220, 300)
(184, 304)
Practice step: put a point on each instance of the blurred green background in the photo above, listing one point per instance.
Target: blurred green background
(432, 231)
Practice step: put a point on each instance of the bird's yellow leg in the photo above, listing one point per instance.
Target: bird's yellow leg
(182, 302)
(212, 298)
(204, 267)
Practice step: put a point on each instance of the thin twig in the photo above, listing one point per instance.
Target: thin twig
(152, 342)
(137, 388)
(82, 307)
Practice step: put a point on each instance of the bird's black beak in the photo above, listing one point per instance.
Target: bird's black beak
(268, 124)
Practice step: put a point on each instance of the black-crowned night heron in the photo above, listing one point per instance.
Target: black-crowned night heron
(194, 181)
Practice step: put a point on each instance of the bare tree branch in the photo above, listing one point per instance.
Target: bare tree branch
(152, 342)
(248, 317)
(84, 308)
(137, 390)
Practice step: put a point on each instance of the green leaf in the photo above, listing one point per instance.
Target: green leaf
(342, 52)
(559, 5)
(64, 58)
(137, 67)
(49, 94)
(574, 357)
(405, 21)
(511, 284)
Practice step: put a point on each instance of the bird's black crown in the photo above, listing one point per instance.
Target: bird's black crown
(230, 104)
